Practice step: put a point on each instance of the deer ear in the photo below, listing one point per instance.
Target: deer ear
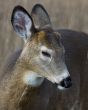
(22, 22)
(40, 16)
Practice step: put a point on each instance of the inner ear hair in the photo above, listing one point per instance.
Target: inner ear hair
(22, 22)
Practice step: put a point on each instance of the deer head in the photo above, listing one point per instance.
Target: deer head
(43, 52)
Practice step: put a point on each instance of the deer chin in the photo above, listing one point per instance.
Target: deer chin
(60, 87)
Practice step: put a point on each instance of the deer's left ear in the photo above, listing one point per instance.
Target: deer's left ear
(40, 16)
(22, 22)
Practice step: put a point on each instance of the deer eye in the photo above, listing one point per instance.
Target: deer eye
(46, 54)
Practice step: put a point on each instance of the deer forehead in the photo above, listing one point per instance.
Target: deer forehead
(46, 39)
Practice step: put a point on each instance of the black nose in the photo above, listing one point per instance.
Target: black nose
(66, 83)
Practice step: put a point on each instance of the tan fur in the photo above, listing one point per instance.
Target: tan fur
(16, 95)
(10, 96)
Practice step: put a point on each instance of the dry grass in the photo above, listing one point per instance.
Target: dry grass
(71, 14)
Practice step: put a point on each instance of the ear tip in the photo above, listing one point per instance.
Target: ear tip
(16, 9)
(37, 6)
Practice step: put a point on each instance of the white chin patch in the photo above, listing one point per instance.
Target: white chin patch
(60, 87)
(31, 78)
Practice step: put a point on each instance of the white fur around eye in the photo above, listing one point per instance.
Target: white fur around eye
(49, 51)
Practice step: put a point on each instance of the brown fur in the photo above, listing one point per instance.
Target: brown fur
(47, 96)
(15, 94)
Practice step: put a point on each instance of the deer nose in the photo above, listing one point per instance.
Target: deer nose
(66, 83)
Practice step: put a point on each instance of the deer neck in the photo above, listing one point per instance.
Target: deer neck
(22, 86)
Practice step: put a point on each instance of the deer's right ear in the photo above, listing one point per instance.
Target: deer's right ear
(22, 22)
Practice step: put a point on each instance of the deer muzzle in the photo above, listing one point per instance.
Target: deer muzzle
(66, 83)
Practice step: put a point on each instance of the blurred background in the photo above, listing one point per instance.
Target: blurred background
(69, 14)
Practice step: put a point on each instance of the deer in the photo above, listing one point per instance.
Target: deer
(50, 72)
